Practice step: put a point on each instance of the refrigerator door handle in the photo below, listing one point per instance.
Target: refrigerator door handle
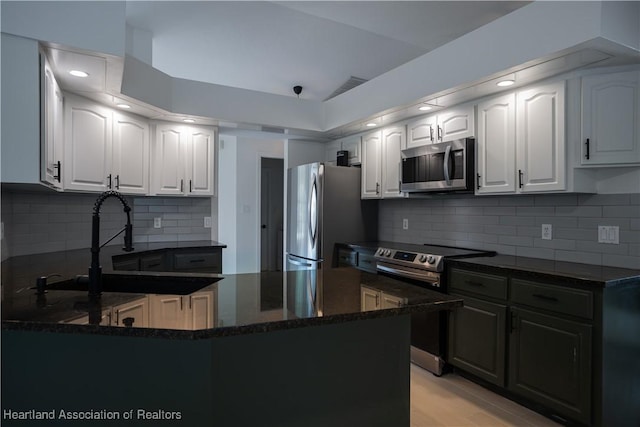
(313, 212)
(294, 261)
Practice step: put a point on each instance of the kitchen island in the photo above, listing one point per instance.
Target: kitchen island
(271, 349)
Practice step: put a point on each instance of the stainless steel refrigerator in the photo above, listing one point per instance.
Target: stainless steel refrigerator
(324, 208)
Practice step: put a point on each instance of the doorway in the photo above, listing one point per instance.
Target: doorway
(271, 213)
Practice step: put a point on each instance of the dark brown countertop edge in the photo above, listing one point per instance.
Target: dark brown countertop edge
(218, 332)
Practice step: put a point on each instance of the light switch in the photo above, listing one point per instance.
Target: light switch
(405, 224)
(157, 222)
(609, 234)
(207, 222)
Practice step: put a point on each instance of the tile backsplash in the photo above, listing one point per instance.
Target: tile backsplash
(512, 225)
(38, 222)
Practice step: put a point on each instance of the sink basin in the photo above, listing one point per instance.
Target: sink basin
(144, 283)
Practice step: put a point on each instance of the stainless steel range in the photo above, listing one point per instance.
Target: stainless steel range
(423, 265)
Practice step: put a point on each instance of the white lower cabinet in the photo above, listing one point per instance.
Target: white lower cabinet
(381, 171)
(374, 299)
(194, 311)
(611, 119)
(183, 160)
(521, 141)
(104, 149)
(134, 313)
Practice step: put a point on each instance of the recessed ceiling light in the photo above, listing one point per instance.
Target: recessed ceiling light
(424, 108)
(188, 120)
(125, 106)
(503, 83)
(371, 125)
(78, 73)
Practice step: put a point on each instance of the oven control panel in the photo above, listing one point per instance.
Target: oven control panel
(411, 259)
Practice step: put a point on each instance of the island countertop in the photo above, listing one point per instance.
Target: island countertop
(240, 303)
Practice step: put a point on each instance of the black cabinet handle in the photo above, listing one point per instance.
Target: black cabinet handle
(117, 182)
(182, 185)
(545, 297)
(472, 283)
(109, 179)
(190, 187)
(478, 181)
(153, 265)
(520, 178)
(587, 149)
(365, 261)
(196, 260)
(57, 166)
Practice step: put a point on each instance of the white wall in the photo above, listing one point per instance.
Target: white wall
(303, 152)
(239, 199)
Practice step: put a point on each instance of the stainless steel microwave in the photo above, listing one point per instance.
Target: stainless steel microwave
(447, 166)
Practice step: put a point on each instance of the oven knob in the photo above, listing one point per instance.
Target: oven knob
(380, 251)
(431, 259)
(387, 252)
(423, 258)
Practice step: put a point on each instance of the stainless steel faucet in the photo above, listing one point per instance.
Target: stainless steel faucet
(95, 270)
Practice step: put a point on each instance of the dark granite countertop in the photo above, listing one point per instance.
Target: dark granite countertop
(542, 269)
(242, 303)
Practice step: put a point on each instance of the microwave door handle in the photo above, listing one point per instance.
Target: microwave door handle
(447, 154)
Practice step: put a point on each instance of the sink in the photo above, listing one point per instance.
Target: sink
(142, 283)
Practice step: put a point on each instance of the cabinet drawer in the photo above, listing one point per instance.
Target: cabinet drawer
(127, 264)
(478, 283)
(367, 262)
(197, 261)
(347, 258)
(152, 263)
(575, 302)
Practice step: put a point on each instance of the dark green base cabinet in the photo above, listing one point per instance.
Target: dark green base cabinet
(186, 260)
(571, 352)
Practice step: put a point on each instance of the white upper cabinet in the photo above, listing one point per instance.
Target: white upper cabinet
(371, 165)
(611, 119)
(393, 139)
(496, 145)
(455, 123)
(130, 154)
(447, 125)
(52, 122)
(540, 138)
(87, 148)
(104, 149)
(422, 131)
(183, 160)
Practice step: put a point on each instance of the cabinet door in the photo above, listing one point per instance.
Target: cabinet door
(540, 138)
(87, 149)
(392, 141)
(353, 146)
(167, 312)
(201, 311)
(610, 111)
(137, 310)
(477, 337)
(52, 128)
(371, 165)
(199, 179)
(496, 145)
(390, 301)
(421, 131)
(168, 160)
(455, 123)
(369, 299)
(550, 362)
(130, 154)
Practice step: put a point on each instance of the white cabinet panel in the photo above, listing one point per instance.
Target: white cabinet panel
(167, 312)
(611, 118)
(353, 146)
(87, 148)
(455, 123)
(183, 160)
(393, 139)
(541, 138)
(130, 154)
(137, 311)
(421, 131)
(52, 133)
(201, 314)
(371, 165)
(496, 145)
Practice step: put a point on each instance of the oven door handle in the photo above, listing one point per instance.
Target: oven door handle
(407, 274)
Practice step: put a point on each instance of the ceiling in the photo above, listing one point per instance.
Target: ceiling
(273, 46)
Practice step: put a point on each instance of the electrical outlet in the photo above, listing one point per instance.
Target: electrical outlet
(157, 222)
(546, 232)
(405, 224)
(609, 234)
(207, 222)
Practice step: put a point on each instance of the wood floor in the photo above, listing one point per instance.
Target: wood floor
(453, 401)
